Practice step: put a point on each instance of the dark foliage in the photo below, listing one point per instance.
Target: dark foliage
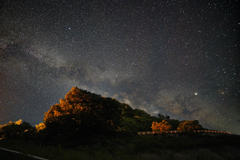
(83, 118)
(17, 131)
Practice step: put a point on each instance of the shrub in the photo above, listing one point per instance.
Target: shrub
(15, 130)
(161, 126)
(188, 126)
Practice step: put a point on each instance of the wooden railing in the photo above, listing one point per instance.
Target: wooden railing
(176, 132)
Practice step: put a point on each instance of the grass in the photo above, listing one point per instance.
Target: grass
(13, 156)
(60, 153)
(134, 147)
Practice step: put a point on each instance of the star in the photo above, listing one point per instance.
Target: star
(160, 57)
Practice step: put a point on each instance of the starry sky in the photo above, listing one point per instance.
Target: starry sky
(174, 57)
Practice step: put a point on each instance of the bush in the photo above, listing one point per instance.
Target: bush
(161, 126)
(188, 126)
(15, 130)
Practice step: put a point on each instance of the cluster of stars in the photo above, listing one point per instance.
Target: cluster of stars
(174, 57)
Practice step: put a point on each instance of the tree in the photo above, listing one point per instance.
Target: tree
(141, 113)
(188, 126)
(167, 117)
(15, 130)
(40, 126)
(175, 123)
(127, 111)
(83, 110)
(161, 116)
(161, 126)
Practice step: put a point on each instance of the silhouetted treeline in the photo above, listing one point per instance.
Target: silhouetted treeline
(82, 115)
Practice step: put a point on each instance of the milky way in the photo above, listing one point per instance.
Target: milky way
(179, 58)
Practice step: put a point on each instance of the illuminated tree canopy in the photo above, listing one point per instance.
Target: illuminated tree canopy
(85, 110)
(40, 126)
(187, 126)
(161, 126)
(14, 130)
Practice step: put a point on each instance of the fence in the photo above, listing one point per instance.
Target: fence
(175, 132)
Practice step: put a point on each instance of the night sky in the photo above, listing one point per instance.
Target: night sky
(174, 57)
